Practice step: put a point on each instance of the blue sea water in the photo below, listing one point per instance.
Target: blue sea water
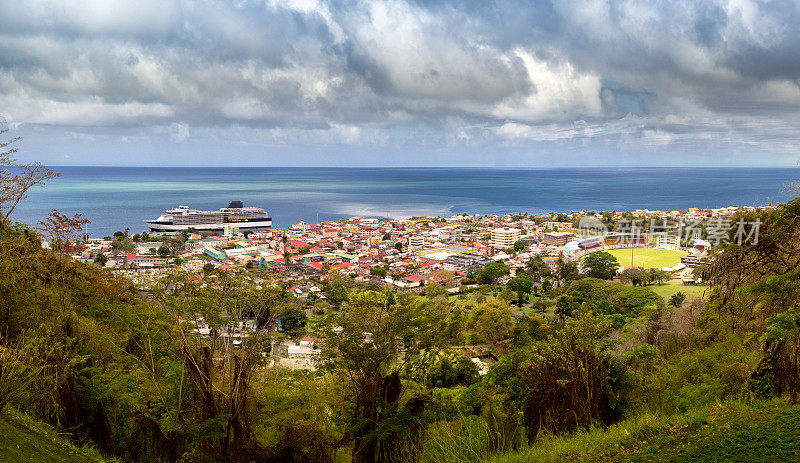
(114, 198)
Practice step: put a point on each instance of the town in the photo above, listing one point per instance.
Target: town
(430, 255)
(407, 253)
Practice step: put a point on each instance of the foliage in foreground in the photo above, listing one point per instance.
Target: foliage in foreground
(730, 431)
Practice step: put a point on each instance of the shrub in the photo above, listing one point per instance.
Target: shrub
(572, 380)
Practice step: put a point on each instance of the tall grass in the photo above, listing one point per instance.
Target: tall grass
(464, 439)
(15, 374)
(602, 444)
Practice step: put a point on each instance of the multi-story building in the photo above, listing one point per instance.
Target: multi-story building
(557, 238)
(464, 262)
(416, 240)
(504, 238)
(668, 241)
(556, 225)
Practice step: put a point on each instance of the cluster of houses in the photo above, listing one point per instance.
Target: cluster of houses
(408, 253)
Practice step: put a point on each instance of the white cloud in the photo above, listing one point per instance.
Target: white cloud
(559, 92)
(402, 73)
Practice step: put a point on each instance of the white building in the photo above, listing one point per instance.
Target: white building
(416, 240)
(667, 241)
(504, 238)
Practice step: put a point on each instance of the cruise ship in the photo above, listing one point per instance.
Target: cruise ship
(183, 218)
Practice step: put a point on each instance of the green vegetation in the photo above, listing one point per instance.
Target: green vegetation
(25, 440)
(733, 431)
(647, 257)
(600, 265)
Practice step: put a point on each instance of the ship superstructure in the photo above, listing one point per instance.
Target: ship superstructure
(183, 218)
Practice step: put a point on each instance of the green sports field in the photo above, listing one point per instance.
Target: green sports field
(647, 257)
(671, 287)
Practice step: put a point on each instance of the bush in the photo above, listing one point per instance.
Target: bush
(447, 373)
(702, 376)
(571, 380)
(632, 301)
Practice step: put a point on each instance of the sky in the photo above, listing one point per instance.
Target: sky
(402, 83)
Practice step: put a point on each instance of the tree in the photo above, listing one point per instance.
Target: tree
(600, 265)
(220, 367)
(123, 244)
(779, 369)
(434, 289)
(676, 300)
(443, 277)
(492, 272)
(537, 269)
(632, 300)
(398, 246)
(336, 291)
(659, 275)
(101, 259)
(293, 321)
(635, 276)
(163, 250)
(757, 280)
(522, 286)
(507, 295)
(378, 271)
(519, 246)
(492, 320)
(564, 307)
(16, 180)
(447, 373)
(568, 271)
(378, 415)
(63, 231)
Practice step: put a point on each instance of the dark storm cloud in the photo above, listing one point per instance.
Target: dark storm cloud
(630, 74)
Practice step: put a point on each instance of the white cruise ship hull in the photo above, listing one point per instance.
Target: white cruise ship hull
(209, 227)
(236, 215)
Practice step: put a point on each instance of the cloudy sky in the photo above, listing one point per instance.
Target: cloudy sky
(402, 82)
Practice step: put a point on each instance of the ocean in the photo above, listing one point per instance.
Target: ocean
(115, 198)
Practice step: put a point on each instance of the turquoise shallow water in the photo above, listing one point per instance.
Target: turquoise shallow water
(118, 197)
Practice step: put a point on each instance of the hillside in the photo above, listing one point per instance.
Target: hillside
(25, 440)
(763, 432)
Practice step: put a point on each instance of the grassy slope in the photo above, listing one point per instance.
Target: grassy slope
(731, 432)
(648, 257)
(25, 440)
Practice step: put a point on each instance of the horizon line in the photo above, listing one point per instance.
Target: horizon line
(428, 167)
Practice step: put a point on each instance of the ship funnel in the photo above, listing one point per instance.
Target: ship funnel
(235, 204)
